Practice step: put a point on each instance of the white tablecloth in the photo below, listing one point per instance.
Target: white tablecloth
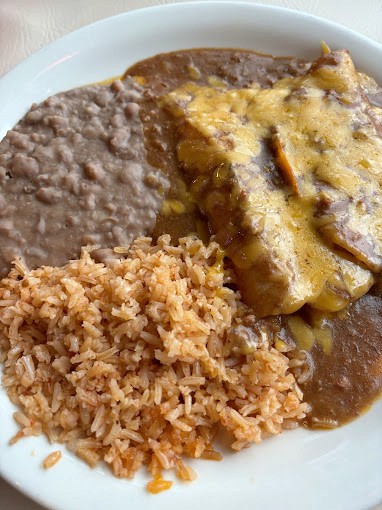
(27, 25)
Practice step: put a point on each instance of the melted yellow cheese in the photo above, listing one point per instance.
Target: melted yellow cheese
(287, 238)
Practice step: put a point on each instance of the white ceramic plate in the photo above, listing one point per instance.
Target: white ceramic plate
(340, 469)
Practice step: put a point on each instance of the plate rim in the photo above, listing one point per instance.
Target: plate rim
(189, 4)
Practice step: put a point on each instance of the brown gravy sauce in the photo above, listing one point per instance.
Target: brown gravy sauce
(345, 381)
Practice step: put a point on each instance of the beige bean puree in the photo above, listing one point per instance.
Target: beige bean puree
(73, 172)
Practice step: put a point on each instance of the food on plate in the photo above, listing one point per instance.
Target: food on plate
(139, 361)
(256, 303)
(73, 172)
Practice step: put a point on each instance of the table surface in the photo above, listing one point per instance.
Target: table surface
(26, 26)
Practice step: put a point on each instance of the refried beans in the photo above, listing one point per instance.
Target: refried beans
(73, 172)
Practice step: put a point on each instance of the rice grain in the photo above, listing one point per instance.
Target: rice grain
(52, 459)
